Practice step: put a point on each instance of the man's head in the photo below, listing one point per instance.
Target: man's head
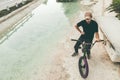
(88, 17)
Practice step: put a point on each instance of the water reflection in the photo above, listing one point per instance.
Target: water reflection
(45, 1)
(72, 8)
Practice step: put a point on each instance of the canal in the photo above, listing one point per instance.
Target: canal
(33, 43)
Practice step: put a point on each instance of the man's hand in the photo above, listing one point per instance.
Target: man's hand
(82, 33)
(97, 40)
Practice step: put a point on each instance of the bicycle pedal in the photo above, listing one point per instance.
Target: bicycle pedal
(79, 47)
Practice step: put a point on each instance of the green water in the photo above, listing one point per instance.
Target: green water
(71, 8)
(34, 42)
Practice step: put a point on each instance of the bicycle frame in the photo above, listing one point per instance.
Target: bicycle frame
(83, 64)
(92, 44)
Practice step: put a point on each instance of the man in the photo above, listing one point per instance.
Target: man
(90, 27)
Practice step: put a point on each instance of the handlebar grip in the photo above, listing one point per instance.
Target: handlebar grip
(74, 40)
(99, 41)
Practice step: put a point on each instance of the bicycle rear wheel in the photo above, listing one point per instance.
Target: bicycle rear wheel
(83, 67)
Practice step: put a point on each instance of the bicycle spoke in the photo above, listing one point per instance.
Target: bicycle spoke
(83, 67)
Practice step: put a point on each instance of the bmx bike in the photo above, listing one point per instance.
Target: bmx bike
(83, 63)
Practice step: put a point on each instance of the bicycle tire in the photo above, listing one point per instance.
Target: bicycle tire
(84, 75)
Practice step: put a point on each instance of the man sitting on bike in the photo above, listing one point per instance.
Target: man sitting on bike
(90, 27)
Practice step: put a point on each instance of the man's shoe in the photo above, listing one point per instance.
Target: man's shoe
(74, 54)
(89, 56)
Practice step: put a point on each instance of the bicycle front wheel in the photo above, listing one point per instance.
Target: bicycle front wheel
(83, 67)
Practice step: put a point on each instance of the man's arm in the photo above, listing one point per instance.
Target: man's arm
(79, 29)
(97, 36)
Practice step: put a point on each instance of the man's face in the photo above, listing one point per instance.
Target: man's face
(88, 19)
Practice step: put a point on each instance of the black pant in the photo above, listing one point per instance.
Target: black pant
(81, 40)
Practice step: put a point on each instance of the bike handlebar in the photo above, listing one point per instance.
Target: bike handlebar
(98, 41)
(79, 40)
(88, 43)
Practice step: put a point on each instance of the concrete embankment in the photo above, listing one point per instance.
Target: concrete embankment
(109, 28)
(7, 23)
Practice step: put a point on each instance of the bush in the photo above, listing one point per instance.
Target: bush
(64, 0)
(13, 8)
(115, 6)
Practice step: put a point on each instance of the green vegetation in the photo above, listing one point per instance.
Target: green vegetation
(115, 6)
(65, 0)
(13, 8)
(71, 8)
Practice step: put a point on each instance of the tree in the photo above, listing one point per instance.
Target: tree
(115, 7)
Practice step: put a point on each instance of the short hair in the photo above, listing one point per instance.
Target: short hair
(88, 14)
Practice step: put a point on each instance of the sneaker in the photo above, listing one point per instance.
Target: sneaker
(74, 54)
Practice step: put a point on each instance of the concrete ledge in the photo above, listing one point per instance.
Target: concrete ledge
(4, 18)
(9, 22)
(110, 27)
